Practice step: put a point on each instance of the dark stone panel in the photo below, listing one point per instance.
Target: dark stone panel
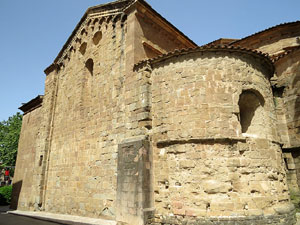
(134, 179)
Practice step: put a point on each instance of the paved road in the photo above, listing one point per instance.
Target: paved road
(9, 219)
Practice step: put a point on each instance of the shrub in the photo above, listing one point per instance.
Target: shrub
(2, 200)
(5, 195)
(295, 198)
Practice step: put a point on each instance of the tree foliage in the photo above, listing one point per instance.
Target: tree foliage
(9, 138)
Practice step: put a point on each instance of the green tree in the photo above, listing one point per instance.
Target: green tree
(9, 138)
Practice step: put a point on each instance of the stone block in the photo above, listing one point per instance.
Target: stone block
(177, 205)
(214, 186)
(184, 164)
(179, 211)
(221, 205)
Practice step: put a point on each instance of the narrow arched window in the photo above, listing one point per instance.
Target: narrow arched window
(90, 65)
(97, 37)
(82, 48)
(251, 105)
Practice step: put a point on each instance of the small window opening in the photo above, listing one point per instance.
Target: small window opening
(41, 160)
(97, 37)
(90, 65)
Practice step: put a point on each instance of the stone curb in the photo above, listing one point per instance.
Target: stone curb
(63, 219)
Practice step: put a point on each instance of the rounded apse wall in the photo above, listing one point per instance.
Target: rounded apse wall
(216, 153)
(197, 95)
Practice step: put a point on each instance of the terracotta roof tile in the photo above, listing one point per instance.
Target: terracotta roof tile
(207, 48)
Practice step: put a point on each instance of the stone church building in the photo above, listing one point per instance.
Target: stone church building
(139, 125)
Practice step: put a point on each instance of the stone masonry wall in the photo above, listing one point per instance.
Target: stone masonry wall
(204, 166)
(199, 97)
(219, 178)
(288, 72)
(23, 191)
(88, 123)
(93, 103)
(295, 170)
(100, 102)
(137, 99)
(187, 139)
(156, 39)
(292, 164)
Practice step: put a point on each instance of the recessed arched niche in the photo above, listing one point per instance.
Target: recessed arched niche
(83, 32)
(95, 21)
(82, 48)
(97, 37)
(251, 105)
(89, 64)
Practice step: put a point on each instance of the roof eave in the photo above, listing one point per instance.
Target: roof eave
(264, 31)
(164, 57)
(32, 104)
(165, 21)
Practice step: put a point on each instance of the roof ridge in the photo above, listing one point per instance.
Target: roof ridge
(220, 39)
(110, 3)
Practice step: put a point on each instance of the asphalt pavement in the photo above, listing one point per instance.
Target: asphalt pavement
(10, 219)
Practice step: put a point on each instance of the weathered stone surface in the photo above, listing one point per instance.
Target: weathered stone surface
(24, 200)
(134, 181)
(284, 219)
(214, 186)
(191, 137)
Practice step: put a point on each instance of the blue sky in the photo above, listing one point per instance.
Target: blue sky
(34, 31)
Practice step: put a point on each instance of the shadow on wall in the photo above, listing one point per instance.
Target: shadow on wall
(296, 87)
(15, 194)
(297, 114)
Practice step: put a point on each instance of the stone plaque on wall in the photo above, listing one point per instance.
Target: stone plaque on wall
(134, 185)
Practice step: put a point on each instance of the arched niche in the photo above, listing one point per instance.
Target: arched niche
(97, 37)
(82, 48)
(251, 105)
